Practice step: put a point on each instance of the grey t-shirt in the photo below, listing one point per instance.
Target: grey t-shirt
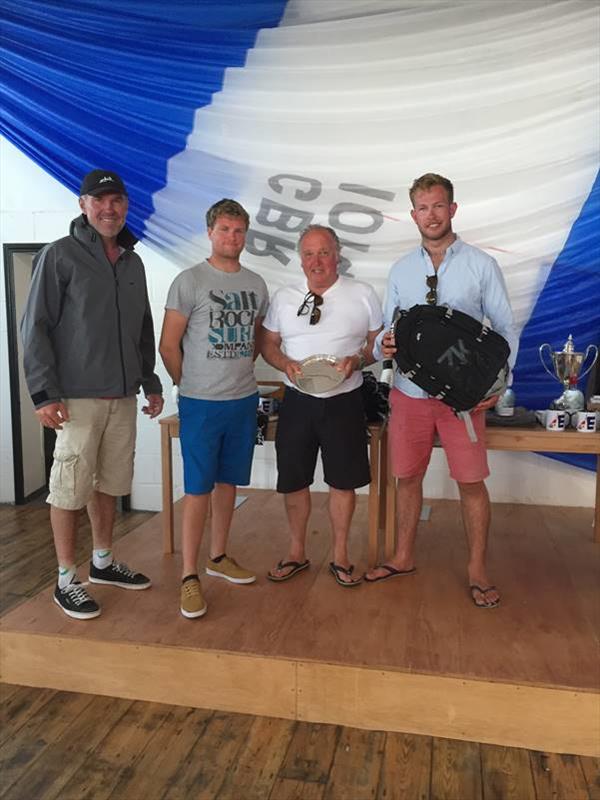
(218, 344)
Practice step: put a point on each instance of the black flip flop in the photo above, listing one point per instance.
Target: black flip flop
(474, 588)
(392, 573)
(335, 570)
(297, 566)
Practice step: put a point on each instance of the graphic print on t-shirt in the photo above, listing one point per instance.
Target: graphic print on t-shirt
(231, 324)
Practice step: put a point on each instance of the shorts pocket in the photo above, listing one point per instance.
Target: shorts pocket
(62, 474)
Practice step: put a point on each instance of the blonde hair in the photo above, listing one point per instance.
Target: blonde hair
(427, 182)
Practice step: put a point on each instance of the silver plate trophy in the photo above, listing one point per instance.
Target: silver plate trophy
(319, 374)
(567, 364)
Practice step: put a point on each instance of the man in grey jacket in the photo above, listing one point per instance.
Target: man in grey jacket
(88, 342)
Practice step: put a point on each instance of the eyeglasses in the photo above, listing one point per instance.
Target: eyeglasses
(315, 312)
(431, 296)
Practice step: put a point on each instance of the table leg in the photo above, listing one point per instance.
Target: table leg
(390, 516)
(597, 506)
(166, 457)
(374, 493)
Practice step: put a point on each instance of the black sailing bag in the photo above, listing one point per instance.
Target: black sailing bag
(450, 355)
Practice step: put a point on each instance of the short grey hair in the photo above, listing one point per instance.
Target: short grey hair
(327, 229)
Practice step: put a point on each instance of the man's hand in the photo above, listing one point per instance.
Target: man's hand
(348, 365)
(155, 405)
(292, 370)
(388, 345)
(53, 415)
(485, 404)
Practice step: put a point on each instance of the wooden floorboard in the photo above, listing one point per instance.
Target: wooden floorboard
(456, 770)
(356, 765)
(156, 750)
(558, 776)
(506, 773)
(255, 771)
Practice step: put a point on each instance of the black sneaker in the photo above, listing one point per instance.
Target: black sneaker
(76, 602)
(119, 575)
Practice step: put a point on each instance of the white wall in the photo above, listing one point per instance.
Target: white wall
(36, 208)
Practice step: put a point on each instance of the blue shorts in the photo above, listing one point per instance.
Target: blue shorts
(217, 442)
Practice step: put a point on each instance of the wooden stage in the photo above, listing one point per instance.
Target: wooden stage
(411, 654)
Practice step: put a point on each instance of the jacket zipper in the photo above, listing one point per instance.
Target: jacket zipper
(114, 269)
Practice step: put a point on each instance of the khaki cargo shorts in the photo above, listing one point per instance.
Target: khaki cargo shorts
(94, 451)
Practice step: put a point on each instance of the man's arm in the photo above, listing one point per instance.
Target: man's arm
(150, 381)
(362, 359)
(497, 308)
(273, 355)
(258, 333)
(41, 315)
(368, 347)
(174, 326)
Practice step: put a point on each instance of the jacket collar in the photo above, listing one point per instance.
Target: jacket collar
(85, 233)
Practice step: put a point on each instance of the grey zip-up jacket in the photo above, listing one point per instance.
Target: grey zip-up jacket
(87, 328)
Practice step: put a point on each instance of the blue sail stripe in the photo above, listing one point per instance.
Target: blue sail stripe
(569, 303)
(118, 85)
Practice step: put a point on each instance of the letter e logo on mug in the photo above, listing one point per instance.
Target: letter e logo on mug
(584, 421)
(555, 420)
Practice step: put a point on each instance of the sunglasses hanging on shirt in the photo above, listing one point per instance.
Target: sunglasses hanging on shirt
(431, 296)
(315, 311)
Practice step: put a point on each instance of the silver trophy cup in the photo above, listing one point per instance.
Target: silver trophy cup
(567, 365)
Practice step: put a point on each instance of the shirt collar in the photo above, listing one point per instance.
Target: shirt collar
(452, 250)
(325, 291)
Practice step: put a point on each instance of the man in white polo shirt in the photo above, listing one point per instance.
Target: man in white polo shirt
(326, 313)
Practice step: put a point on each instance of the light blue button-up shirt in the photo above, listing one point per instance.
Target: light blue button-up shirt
(469, 280)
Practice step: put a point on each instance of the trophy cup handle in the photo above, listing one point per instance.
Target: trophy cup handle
(541, 352)
(587, 350)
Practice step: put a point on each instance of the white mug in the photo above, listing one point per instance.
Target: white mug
(555, 420)
(584, 421)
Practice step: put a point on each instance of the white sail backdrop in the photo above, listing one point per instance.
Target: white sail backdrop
(356, 99)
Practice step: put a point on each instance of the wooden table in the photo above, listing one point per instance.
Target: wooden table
(377, 494)
(529, 439)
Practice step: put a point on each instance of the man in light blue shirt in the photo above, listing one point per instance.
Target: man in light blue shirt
(443, 270)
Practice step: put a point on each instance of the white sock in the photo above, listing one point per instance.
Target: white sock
(66, 575)
(102, 558)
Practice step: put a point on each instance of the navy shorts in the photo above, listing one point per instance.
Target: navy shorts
(217, 442)
(337, 426)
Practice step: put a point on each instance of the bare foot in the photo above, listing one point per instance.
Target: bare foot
(380, 572)
(343, 573)
(288, 567)
(483, 592)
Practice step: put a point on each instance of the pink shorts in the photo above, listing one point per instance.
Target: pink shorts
(412, 428)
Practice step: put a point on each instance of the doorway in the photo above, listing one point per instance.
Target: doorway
(32, 444)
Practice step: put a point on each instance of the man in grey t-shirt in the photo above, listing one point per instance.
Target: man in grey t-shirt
(208, 344)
